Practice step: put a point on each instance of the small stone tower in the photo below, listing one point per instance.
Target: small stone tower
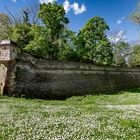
(8, 53)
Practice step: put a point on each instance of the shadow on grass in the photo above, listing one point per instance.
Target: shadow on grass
(67, 96)
(133, 90)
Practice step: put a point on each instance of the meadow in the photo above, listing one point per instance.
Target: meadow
(100, 117)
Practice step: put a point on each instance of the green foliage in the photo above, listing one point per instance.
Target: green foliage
(121, 51)
(53, 16)
(52, 40)
(48, 40)
(69, 54)
(39, 45)
(17, 27)
(5, 24)
(134, 59)
(69, 51)
(20, 33)
(135, 16)
(93, 44)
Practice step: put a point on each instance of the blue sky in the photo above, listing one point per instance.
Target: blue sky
(115, 13)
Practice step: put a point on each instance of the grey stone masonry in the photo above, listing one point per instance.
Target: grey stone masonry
(8, 54)
(50, 79)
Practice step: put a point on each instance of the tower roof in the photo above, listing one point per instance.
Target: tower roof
(7, 43)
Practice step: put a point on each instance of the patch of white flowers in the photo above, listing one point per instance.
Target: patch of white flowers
(38, 121)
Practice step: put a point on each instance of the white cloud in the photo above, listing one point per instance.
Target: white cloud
(46, 1)
(120, 20)
(77, 9)
(67, 6)
(14, 0)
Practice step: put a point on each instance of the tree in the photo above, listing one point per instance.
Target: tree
(32, 11)
(49, 39)
(39, 45)
(121, 48)
(53, 17)
(69, 51)
(135, 16)
(5, 25)
(134, 59)
(20, 25)
(93, 44)
(54, 21)
(121, 53)
(20, 32)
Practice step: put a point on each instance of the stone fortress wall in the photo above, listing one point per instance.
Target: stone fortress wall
(49, 79)
(55, 79)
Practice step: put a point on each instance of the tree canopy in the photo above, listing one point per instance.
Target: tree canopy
(135, 15)
(121, 48)
(5, 24)
(93, 43)
(134, 59)
(50, 38)
(53, 17)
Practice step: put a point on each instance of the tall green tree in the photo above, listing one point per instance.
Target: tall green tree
(53, 18)
(5, 24)
(134, 59)
(20, 31)
(39, 45)
(93, 44)
(69, 50)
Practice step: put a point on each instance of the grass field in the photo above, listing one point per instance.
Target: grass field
(104, 117)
